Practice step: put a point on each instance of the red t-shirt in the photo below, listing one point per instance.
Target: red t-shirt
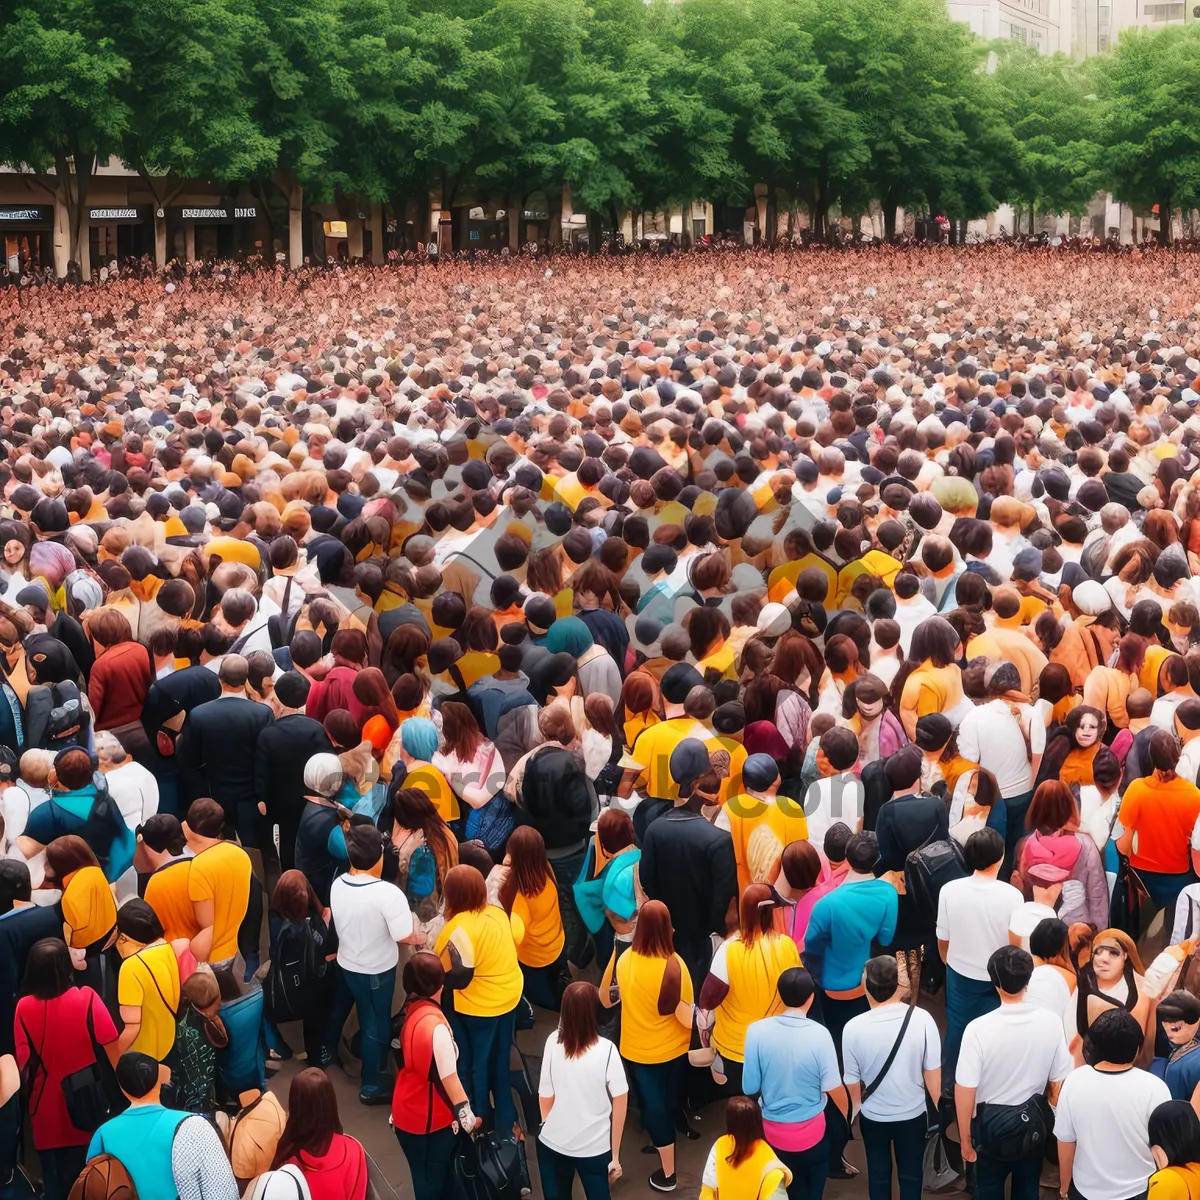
(58, 1032)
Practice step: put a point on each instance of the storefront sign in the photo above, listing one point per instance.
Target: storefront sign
(106, 216)
(219, 214)
(36, 214)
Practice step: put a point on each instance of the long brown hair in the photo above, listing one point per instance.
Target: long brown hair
(653, 936)
(743, 1123)
(464, 890)
(411, 808)
(67, 854)
(312, 1118)
(294, 898)
(755, 913)
(530, 868)
(460, 731)
(577, 1018)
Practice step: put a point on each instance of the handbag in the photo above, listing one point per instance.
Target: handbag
(869, 1089)
(1012, 1132)
(91, 1094)
(487, 1167)
(940, 1174)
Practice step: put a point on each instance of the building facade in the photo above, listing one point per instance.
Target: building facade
(1043, 24)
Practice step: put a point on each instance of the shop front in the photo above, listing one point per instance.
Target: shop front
(211, 232)
(120, 233)
(28, 234)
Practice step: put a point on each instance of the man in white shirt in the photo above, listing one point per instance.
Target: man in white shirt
(892, 1109)
(837, 795)
(1104, 1112)
(974, 915)
(1010, 1059)
(370, 917)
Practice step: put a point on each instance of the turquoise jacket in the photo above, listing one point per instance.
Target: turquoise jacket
(142, 1138)
(612, 889)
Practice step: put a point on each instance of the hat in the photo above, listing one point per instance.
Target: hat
(33, 596)
(729, 717)
(953, 493)
(8, 765)
(1091, 598)
(646, 632)
(759, 771)
(689, 760)
(1180, 1005)
(774, 620)
(1027, 564)
(323, 774)
(540, 613)
(678, 681)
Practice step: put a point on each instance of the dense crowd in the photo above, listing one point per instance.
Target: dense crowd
(742, 658)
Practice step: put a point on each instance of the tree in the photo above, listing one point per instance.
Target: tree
(61, 111)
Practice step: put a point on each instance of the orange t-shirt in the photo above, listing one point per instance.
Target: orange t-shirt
(1162, 816)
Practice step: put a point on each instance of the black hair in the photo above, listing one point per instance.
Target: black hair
(364, 846)
(882, 978)
(1174, 1128)
(795, 987)
(1115, 1036)
(1048, 938)
(862, 852)
(137, 920)
(48, 969)
(984, 848)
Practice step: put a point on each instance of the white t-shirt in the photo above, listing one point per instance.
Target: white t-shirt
(990, 736)
(866, 1043)
(580, 1123)
(1027, 918)
(1012, 1053)
(1048, 989)
(1106, 1113)
(973, 916)
(370, 916)
(1162, 716)
(830, 800)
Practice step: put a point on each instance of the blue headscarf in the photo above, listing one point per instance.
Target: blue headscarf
(569, 635)
(419, 737)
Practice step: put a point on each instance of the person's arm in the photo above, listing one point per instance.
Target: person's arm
(1066, 1165)
(964, 1110)
(724, 883)
(620, 1107)
(841, 1100)
(968, 737)
(445, 1061)
(607, 978)
(460, 953)
(262, 775)
(854, 1093)
(131, 1015)
(206, 919)
(199, 1163)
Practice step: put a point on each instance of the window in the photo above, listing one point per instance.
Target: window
(1164, 12)
(1018, 34)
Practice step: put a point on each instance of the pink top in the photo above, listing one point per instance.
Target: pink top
(794, 1136)
(804, 906)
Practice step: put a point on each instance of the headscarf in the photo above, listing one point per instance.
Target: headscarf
(419, 737)
(762, 737)
(569, 635)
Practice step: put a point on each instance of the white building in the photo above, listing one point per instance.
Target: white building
(1046, 25)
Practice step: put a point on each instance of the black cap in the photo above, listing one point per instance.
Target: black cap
(678, 681)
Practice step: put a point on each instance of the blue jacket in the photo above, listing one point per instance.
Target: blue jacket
(142, 1138)
(612, 889)
(842, 927)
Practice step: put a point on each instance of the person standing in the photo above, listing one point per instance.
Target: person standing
(1103, 1115)
(892, 1057)
(972, 921)
(371, 918)
(996, 1088)
(791, 1064)
(218, 883)
(583, 1096)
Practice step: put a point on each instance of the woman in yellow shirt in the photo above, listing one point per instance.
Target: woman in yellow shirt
(148, 989)
(1174, 1133)
(530, 893)
(930, 681)
(641, 702)
(741, 1166)
(419, 742)
(741, 983)
(654, 989)
(89, 910)
(478, 949)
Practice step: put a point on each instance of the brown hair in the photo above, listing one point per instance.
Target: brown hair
(108, 627)
(69, 853)
(801, 864)
(755, 913)
(312, 1118)
(743, 1123)
(614, 830)
(464, 890)
(653, 936)
(577, 1019)
(478, 631)
(294, 898)
(529, 870)
(1052, 808)
(460, 730)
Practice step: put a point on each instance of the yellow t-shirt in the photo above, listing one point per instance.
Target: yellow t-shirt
(486, 940)
(544, 937)
(436, 786)
(89, 910)
(476, 665)
(647, 1037)
(753, 973)
(222, 874)
(653, 749)
(782, 581)
(755, 1178)
(746, 813)
(167, 894)
(1176, 1183)
(136, 988)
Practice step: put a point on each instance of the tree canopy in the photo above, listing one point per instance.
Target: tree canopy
(823, 104)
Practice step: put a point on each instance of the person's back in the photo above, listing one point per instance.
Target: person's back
(791, 1062)
(142, 1138)
(340, 1173)
(219, 742)
(220, 875)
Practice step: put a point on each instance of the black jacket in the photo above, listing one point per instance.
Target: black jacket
(180, 692)
(217, 750)
(905, 824)
(283, 749)
(688, 864)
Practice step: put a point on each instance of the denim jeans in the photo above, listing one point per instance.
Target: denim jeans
(430, 1156)
(809, 1169)
(372, 996)
(544, 986)
(990, 1174)
(659, 1090)
(558, 1173)
(966, 999)
(483, 1065)
(1164, 888)
(907, 1139)
(60, 1169)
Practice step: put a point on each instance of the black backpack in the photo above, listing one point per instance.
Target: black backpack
(296, 979)
(557, 797)
(927, 870)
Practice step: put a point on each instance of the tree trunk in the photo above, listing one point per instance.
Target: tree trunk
(516, 212)
(889, 220)
(772, 230)
(595, 232)
(554, 200)
(1164, 220)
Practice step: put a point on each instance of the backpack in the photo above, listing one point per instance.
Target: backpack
(298, 970)
(282, 625)
(492, 823)
(103, 1178)
(422, 875)
(104, 825)
(254, 1135)
(193, 1063)
(927, 870)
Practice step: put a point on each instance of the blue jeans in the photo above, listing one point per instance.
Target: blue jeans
(907, 1139)
(966, 999)
(988, 1176)
(558, 1173)
(544, 986)
(430, 1156)
(809, 1169)
(60, 1169)
(1164, 889)
(1015, 808)
(484, 1054)
(372, 996)
(659, 1088)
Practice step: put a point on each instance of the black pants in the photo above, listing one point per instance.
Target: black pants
(558, 1173)
(429, 1157)
(907, 1140)
(990, 1175)
(1075, 1194)
(60, 1169)
(809, 1168)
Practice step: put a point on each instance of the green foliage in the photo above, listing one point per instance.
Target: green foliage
(632, 103)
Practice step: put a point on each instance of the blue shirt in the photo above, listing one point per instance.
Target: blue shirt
(1183, 1074)
(142, 1139)
(791, 1061)
(842, 927)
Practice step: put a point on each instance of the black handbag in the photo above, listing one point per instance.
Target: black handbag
(1012, 1132)
(487, 1166)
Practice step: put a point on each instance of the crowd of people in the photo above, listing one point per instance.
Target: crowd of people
(781, 675)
